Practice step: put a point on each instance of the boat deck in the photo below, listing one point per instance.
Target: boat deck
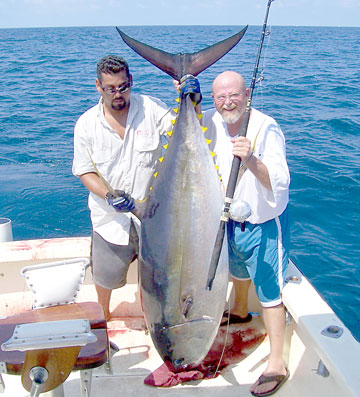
(320, 365)
(137, 357)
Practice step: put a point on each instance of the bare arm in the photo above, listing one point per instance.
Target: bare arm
(242, 149)
(93, 183)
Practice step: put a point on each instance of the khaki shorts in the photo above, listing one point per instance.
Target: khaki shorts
(110, 262)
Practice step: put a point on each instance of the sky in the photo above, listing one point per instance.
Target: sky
(53, 13)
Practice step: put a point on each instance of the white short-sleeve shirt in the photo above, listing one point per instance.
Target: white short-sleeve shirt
(126, 164)
(268, 144)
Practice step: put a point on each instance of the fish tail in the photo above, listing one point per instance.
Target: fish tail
(178, 65)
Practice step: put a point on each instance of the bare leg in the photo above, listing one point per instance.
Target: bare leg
(274, 318)
(104, 296)
(240, 306)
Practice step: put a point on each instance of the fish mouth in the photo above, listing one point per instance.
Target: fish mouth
(185, 345)
(190, 322)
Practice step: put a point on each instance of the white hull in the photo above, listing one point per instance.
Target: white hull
(305, 348)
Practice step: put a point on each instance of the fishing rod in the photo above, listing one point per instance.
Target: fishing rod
(236, 163)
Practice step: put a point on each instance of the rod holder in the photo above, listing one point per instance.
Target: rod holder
(39, 376)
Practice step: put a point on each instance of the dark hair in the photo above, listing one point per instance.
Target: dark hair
(112, 64)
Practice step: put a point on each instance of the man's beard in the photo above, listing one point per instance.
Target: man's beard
(230, 117)
(118, 105)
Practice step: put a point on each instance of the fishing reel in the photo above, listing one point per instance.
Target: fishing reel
(240, 211)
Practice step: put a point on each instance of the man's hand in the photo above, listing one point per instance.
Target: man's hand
(242, 148)
(122, 202)
(190, 85)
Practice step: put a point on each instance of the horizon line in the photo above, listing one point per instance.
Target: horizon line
(169, 25)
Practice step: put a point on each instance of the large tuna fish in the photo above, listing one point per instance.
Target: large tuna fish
(179, 226)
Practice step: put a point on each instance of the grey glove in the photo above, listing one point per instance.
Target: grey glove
(189, 85)
(122, 202)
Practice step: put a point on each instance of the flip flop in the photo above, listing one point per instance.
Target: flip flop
(235, 319)
(279, 379)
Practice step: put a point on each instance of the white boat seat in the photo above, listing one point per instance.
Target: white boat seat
(47, 338)
(55, 283)
(58, 335)
(50, 335)
(51, 349)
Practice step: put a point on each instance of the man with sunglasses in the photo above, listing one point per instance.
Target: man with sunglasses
(120, 139)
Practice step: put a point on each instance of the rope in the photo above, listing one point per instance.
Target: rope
(226, 335)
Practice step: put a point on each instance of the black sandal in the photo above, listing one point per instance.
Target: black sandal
(235, 319)
(279, 379)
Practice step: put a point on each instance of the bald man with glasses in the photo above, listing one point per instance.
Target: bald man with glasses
(258, 247)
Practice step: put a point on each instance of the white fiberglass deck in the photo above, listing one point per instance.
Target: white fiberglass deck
(137, 358)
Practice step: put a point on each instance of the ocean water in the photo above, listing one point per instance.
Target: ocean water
(311, 87)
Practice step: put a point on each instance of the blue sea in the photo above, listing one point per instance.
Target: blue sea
(311, 87)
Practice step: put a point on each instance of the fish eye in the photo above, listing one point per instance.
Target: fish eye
(178, 361)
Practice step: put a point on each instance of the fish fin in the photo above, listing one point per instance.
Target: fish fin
(139, 209)
(187, 304)
(178, 65)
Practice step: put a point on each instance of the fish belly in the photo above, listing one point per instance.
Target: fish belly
(178, 234)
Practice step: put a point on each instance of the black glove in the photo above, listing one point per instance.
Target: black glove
(122, 202)
(190, 85)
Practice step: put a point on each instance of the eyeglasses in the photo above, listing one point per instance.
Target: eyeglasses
(232, 97)
(121, 89)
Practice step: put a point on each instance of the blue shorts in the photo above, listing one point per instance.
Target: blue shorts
(261, 252)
